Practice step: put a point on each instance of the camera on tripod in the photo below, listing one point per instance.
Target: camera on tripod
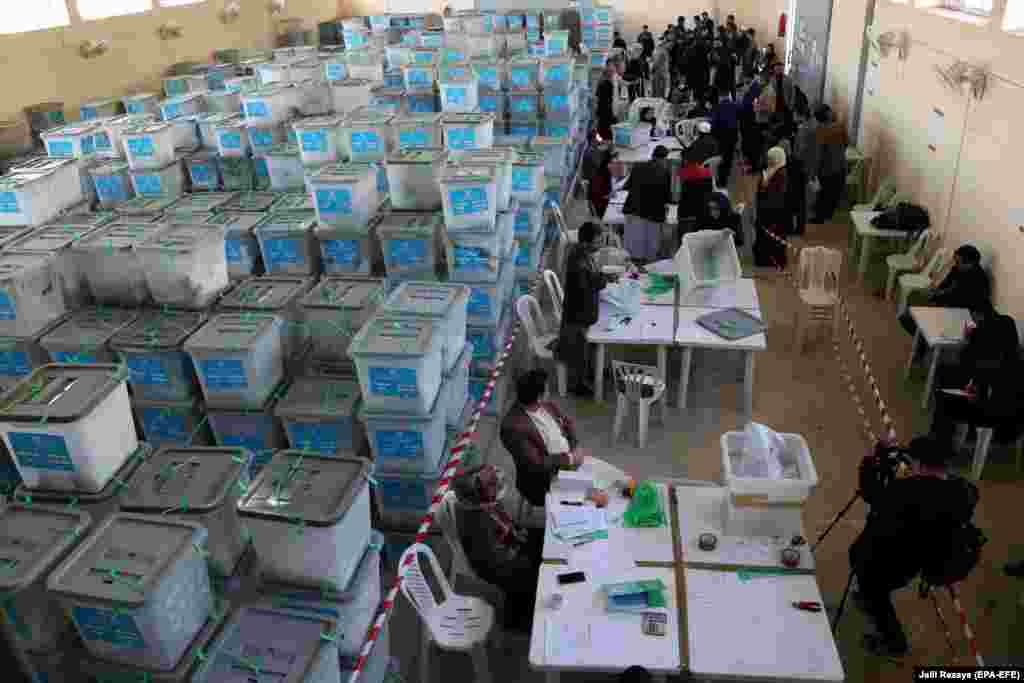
(880, 467)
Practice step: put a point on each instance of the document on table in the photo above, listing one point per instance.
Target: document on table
(566, 643)
(577, 523)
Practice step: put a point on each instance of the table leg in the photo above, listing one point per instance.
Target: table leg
(659, 678)
(663, 364)
(684, 378)
(748, 387)
(913, 351)
(865, 257)
(932, 367)
(551, 677)
(599, 373)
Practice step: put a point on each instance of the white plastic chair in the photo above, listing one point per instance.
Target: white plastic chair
(981, 447)
(918, 282)
(899, 264)
(712, 165)
(820, 268)
(459, 623)
(643, 385)
(531, 317)
(555, 292)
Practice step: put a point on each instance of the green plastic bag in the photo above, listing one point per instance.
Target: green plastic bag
(644, 510)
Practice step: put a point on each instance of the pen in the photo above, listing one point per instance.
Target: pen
(572, 502)
(808, 606)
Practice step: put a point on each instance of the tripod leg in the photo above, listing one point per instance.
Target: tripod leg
(835, 520)
(842, 604)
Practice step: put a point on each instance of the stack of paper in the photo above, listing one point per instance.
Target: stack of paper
(577, 524)
(635, 596)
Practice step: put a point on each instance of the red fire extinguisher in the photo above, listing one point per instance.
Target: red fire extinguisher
(782, 25)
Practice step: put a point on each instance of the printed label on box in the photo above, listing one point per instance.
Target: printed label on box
(418, 78)
(433, 41)
(523, 130)
(489, 103)
(382, 179)
(41, 451)
(405, 493)
(175, 86)
(147, 370)
(469, 201)
(202, 174)
(413, 139)
(60, 148)
(523, 254)
(223, 374)
(215, 79)
(406, 253)
(14, 364)
(171, 110)
(488, 76)
(80, 357)
(164, 424)
(9, 202)
(314, 141)
(461, 138)
(257, 110)
(457, 72)
(261, 137)
(483, 345)
(400, 382)
(231, 140)
(88, 113)
(388, 104)
(283, 252)
(472, 258)
(521, 78)
(420, 57)
(342, 253)
(556, 131)
(253, 438)
(262, 169)
(455, 95)
(453, 55)
(336, 72)
(421, 105)
(8, 311)
(557, 73)
(365, 142)
(111, 188)
(337, 202)
(522, 224)
(321, 437)
(236, 251)
(102, 141)
(141, 147)
(399, 444)
(148, 184)
(557, 103)
(107, 626)
(480, 304)
(135, 107)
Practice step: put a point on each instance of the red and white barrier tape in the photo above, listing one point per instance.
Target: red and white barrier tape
(972, 643)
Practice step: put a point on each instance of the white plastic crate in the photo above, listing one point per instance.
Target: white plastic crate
(284, 164)
(200, 485)
(318, 139)
(168, 181)
(111, 143)
(411, 244)
(113, 183)
(309, 516)
(406, 443)
(350, 95)
(399, 363)
(206, 125)
(419, 76)
(556, 74)
(444, 304)
(524, 74)
(515, 44)
(111, 267)
(203, 170)
(265, 138)
(366, 135)
(556, 43)
(348, 251)
(795, 456)
(172, 423)
(137, 589)
(307, 69)
(477, 255)
(232, 137)
(99, 109)
(528, 222)
(455, 388)
(224, 101)
(346, 195)
(470, 198)
(556, 155)
(335, 310)
(487, 300)
(314, 97)
(495, 406)
(708, 258)
(417, 131)
(403, 498)
(276, 295)
(277, 72)
(413, 179)
(158, 367)
(199, 203)
(242, 84)
(527, 256)
(270, 105)
(464, 132)
(142, 103)
(288, 245)
(523, 129)
(319, 416)
(488, 341)
(494, 102)
(69, 427)
(491, 74)
(524, 103)
(560, 106)
(388, 99)
(82, 337)
(71, 142)
(31, 295)
(499, 163)
(149, 145)
(238, 358)
(366, 64)
(34, 198)
(183, 105)
(255, 429)
(185, 265)
(241, 248)
(335, 68)
(55, 242)
(186, 131)
(36, 538)
(421, 101)
(459, 95)
(527, 184)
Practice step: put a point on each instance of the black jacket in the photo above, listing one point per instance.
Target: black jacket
(605, 102)
(702, 149)
(992, 360)
(583, 284)
(650, 189)
(962, 289)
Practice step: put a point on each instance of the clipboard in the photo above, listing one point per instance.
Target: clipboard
(732, 324)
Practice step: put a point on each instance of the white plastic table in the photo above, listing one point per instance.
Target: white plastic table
(940, 329)
(866, 234)
(651, 326)
(635, 155)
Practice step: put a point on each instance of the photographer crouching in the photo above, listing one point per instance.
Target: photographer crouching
(918, 524)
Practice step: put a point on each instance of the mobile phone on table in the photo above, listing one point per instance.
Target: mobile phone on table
(654, 624)
(571, 577)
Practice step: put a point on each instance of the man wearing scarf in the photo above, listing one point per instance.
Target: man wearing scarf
(773, 214)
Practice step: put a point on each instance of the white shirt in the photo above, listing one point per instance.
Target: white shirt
(554, 440)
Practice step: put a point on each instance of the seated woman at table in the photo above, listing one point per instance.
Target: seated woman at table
(989, 392)
(773, 212)
(719, 215)
(650, 189)
(966, 285)
(500, 551)
(600, 190)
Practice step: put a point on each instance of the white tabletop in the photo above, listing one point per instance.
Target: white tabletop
(692, 334)
(862, 223)
(940, 326)
(748, 630)
(616, 641)
(650, 325)
(739, 294)
(702, 510)
(633, 155)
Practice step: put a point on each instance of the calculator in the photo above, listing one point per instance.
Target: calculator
(654, 624)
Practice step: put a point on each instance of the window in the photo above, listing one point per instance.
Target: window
(981, 8)
(101, 9)
(34, 16)
(179, 3)
(1013, 19)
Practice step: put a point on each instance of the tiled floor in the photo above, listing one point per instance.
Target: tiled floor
(804, 393)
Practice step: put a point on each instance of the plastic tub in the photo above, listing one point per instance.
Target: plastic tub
(476, 255)
(275, 73)
(556, 43)
(405, 443)
(403, 498)
(319, 416)
(199, 485)
(224, 101)
(524, 103)
(113, 183)
(284, 164)
(172, 423)
(242, 84)
(444, 304)
(143, 209)
(459, 95)
(318, 139)
(255, 429)
(270, 105)
(455, 71)
(487, 300)
(499, 163)
(410, 244)
(399, 363)
(289, 647)
(527, 183)
(37, 198)
(142, 103)
(455, 388)
(348, 251)
(335, 310)
(528, 222)
(527, 256)
(350, 94)
(556, 157)
(335, 69)
(388, 99)
(524, 128)
(232, 137)
(206, 125)
(187, 130)
(488, 341)
(83, 336)
(470, 198)
(346, 195)
(65, 426)
(288, 246)
(158, 368)
(560, 106)
(241, 248)
(417, 131)
(265, 138)
(708, 258)
(467, 131)
(31, 296)
(328, 499)
(495, 406)
(71, 142)
(109, 142)
(277, 295)
(421, 101)
(398, 56)
(366, 136)
(367, 63)
(238, 357)
(524, 74)
(200, 203)
(314, 97)
(557, 128)
(413, 179)
(490, 74)
(796, 456)
(251, 202)
(183, 105)
(185, 265)
(54, 242)
(167, 181)
(152, 624)
(493, 102)
(110, 264)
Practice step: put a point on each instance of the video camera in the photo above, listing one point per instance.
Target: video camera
(879, 468)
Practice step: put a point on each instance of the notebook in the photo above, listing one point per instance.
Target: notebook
(732, 324)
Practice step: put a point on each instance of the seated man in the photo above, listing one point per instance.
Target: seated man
(539, 437)
(704, 147)
(966, 286)
(500, 551)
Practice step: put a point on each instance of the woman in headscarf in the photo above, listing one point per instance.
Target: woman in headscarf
(719, 215)
(772, 211)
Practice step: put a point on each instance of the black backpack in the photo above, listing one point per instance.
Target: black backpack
(956, 554)
(904, 216)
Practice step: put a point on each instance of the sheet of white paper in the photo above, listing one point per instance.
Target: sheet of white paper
(565, 642)
(936, 128)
